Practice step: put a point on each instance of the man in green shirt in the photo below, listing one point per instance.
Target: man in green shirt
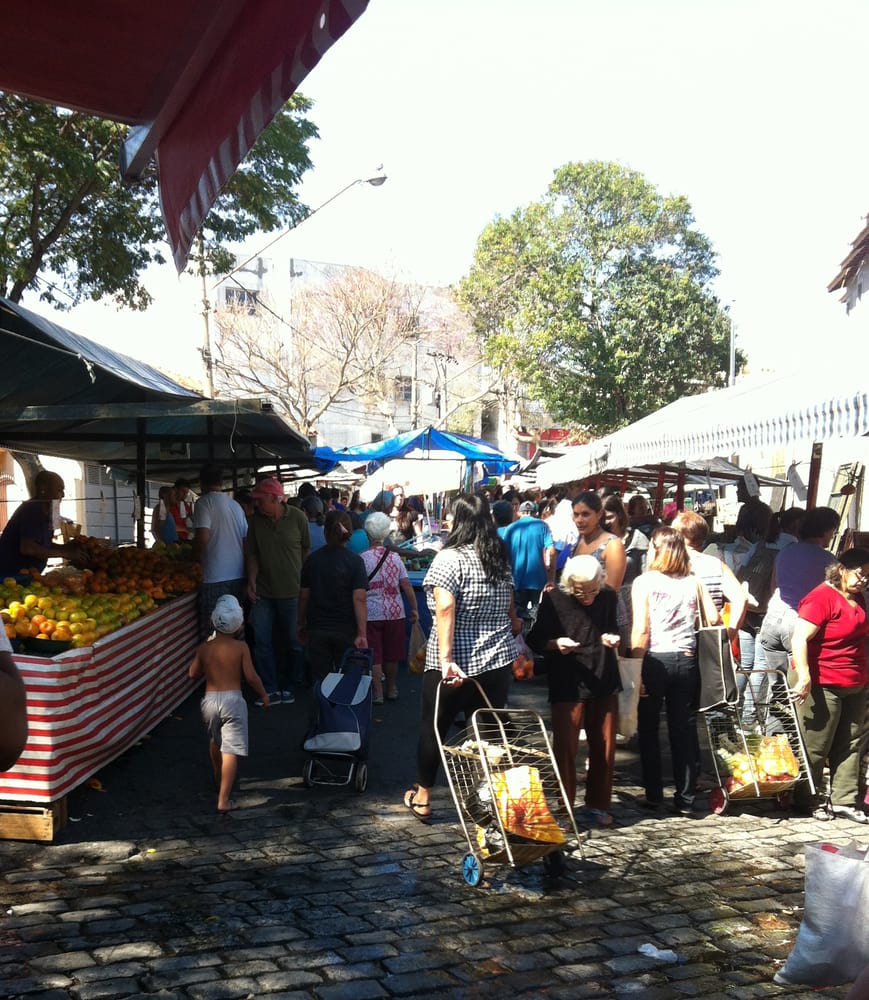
(278, 542)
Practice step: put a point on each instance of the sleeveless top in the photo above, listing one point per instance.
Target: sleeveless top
(707, 569)
(672, 612)
(597, 553)
(623, 605)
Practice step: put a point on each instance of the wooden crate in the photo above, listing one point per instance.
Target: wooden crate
(29, 821)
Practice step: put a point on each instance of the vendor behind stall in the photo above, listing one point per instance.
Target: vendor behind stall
(26, 542)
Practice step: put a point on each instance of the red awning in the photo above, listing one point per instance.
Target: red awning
(202, 77)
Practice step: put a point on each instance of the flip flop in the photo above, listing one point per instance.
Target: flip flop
(233, 805)
(599, 816)
(417, 808)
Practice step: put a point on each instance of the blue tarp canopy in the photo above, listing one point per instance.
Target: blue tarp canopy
(419, 444)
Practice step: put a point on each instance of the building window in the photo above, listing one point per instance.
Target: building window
(240, 298)
(404, 389)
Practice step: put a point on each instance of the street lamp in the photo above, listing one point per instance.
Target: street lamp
(731, 375)
(375, 180)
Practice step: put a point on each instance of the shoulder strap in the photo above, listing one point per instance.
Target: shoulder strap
(380, 562)
(701, 608)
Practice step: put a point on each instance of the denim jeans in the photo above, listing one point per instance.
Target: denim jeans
(757, 686)
(670, 678)
(526, 602)
(265, 614)
(775, 635)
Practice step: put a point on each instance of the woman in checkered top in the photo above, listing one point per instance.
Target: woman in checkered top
(469, 588)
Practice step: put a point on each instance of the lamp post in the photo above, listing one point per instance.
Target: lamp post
(375, 181)
(731, 379)
(442, 360)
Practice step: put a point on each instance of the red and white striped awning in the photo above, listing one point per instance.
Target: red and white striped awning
(202, 78)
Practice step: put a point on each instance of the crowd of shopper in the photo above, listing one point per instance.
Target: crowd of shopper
(585, 577)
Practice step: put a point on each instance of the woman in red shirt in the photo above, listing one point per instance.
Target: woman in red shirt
(829, 684)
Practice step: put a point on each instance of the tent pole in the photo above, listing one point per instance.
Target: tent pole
(814, 475)
(658, 509)
(680, 489)
(140, 481)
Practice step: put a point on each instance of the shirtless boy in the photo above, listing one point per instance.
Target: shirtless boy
(222, 660)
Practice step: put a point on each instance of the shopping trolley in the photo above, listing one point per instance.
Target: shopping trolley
(757, 745)
(508, 793)
(337, 745)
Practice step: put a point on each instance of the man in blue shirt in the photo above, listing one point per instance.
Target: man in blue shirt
(532, 556)
(502, 514)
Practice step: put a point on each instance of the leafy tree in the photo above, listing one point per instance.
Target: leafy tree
(72, 229)
(598, 298)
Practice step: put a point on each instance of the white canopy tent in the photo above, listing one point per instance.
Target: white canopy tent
(775, 411)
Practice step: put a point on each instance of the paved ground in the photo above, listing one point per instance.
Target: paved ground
(327, 893)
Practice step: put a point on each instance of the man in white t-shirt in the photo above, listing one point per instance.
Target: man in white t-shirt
(219, 530)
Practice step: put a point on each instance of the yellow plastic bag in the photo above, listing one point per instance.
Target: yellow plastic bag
(416, 649)
(522, 805)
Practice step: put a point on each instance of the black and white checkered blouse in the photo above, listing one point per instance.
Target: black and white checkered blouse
(483, 637)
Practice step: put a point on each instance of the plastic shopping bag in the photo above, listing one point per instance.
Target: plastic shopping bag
(630, 671)
(522, 805)
(523, 664)
(416, 649)
(832, 946)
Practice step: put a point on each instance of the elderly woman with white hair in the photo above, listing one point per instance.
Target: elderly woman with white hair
(577, 631)
(387, 580)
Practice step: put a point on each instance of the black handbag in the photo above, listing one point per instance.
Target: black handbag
(718, 688)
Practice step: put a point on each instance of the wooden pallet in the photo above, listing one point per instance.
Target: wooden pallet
(29, 821)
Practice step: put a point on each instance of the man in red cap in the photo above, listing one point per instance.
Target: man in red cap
(278, 542)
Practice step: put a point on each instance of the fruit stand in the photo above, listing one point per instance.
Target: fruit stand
(88, 705)
(104, 655)
(417, 563)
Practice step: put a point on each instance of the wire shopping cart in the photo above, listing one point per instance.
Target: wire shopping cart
(757, 745)
(508, 793)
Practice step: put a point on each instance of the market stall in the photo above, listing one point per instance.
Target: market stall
(417, 453)
(87, 706)
(82, 401)
(792, 414)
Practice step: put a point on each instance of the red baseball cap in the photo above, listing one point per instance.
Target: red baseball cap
(268, 488)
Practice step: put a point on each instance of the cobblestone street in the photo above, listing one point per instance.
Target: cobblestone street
(328, 893)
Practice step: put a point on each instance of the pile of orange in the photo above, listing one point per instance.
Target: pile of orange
(160, 572)
(120, 585)
(523, 668)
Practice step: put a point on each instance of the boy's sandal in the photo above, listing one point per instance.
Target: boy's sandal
(422, 810)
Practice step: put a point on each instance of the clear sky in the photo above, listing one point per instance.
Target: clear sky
(752, 109)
